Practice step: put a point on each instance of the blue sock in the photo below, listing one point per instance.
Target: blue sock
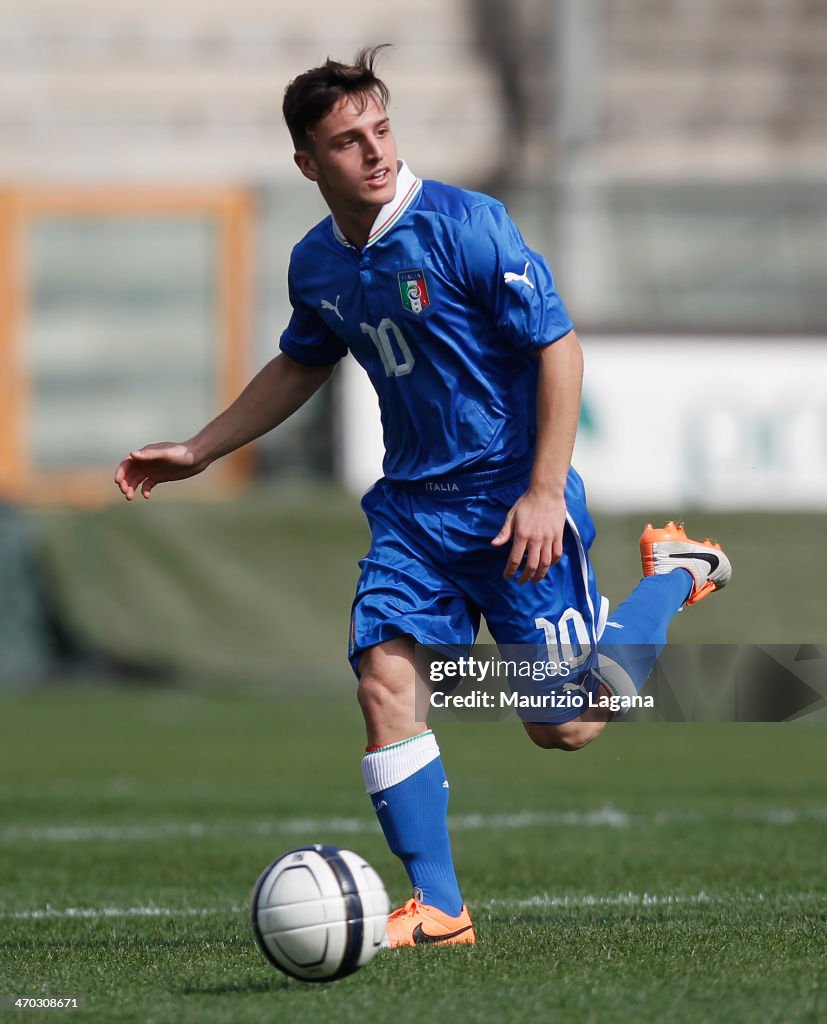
(636, 632)
(407, 785)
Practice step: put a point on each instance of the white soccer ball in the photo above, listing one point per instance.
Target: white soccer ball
(319, 913)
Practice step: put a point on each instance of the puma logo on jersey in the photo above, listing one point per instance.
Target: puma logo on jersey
(335, 309)
(509, 277)
(581, 687)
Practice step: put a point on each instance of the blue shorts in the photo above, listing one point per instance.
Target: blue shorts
(431, 572)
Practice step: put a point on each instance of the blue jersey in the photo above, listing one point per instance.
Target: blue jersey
(443, 308)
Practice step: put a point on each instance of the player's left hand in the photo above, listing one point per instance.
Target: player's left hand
(535, 524)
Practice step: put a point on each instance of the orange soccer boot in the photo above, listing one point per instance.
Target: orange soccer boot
(417, 924)
(669, 548)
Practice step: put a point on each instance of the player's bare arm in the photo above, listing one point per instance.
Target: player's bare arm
(535, 523)
(274, 394)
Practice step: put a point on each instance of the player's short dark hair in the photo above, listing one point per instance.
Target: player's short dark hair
(314, 93)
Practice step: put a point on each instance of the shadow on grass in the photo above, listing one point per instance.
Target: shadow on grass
(279, 983)
(248, 986)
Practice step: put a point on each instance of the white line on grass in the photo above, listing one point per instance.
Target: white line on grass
(624, 899)
(646, 899)
(99, 913)
(542, 901)
(603, 817)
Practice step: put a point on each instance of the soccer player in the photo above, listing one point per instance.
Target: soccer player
(478, 370)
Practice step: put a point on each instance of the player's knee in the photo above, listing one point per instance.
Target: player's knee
(383, 681)
(386, 692)
(375, 693)
(568, 736)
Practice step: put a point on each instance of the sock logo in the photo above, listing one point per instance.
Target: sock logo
(379, 806)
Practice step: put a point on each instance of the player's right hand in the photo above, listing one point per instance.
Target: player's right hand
(155, 464)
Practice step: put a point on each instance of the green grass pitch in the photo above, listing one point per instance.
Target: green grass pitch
(669, 872)
(666, 873)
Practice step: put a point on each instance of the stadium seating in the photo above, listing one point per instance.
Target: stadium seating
(107, 92)
(100, 90)
(668, 155)
(714, 89)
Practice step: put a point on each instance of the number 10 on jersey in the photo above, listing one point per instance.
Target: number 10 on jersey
(392, 347)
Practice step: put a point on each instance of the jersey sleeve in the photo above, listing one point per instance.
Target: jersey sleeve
(511, 280)
(307, 338)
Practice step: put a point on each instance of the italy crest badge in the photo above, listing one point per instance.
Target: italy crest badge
(414, 291)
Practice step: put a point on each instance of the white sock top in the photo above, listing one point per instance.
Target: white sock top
(390, 765)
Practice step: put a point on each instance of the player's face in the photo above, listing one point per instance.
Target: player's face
(353, 156)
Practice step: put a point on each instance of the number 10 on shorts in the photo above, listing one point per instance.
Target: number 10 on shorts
(567, 640)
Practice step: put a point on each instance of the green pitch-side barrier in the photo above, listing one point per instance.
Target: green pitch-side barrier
(254, 590)
(26, 638)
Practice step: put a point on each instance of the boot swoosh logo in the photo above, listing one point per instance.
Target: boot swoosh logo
(713, 560)
(419, 936)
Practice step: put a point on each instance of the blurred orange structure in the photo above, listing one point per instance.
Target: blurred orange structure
(229, 213)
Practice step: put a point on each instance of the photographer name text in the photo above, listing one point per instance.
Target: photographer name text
(481, 699)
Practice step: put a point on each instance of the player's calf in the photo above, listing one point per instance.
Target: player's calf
(568, 736)
(386, 692)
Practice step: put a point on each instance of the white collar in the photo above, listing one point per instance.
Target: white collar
(407, 189)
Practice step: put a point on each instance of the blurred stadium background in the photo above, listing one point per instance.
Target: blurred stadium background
(668, 156)
(670, 159)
